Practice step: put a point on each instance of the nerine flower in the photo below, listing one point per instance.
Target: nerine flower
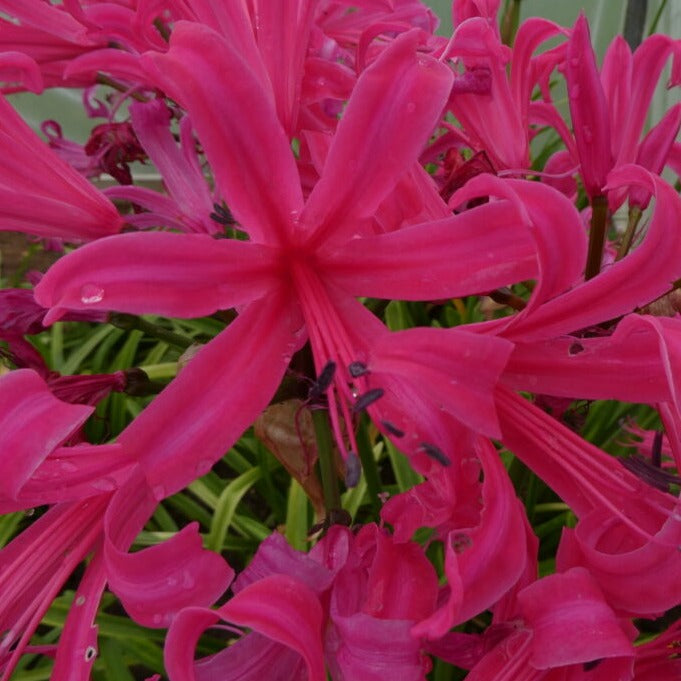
(304, 261)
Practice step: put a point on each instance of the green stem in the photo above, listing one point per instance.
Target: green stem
(366, 456)
(128, 322)
(599, 217)
(332, 500)
(510, 21)
(625, 244)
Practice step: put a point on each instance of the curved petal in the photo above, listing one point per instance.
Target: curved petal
(571, 621)
(473, 252)
(392, 111)
(156, 583)
(178, 275)
(33, 423)
(645, 274)
(198, 417)
(212, 81)
(630, 365)
(284, 610)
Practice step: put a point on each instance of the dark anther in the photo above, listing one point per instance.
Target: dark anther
(358, 369)
(392, 429)
(222, 215)
(655, 477)
(335, 516)
(588, 666)
(353, 468)
(323, 381)
(575, 349)
(435, 453)
(368, 398)
(656, 453)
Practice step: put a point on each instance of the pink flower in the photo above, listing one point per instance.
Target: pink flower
(609, 108)
(351, 602)
(43, 195)
(304, 262)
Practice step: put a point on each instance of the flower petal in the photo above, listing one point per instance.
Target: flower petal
(198, 417)
(285, 610)
(33, 423)
(392, 111)
(209, 77)
(156, 583)
(445, 258)
(178, 275)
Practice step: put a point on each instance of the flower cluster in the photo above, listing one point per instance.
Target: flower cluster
(366, 249)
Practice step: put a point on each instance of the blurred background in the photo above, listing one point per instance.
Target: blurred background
(606, 18)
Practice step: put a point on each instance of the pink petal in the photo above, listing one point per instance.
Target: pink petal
(648, 62)
(156, 583)
(115, 62)
(17, 67)
(459, 258)
(229, 376)
(77, 650)
(626, 366)
(363, 647)
(206, 75)
(33, 423)
(552, 222)
(637, 580)
(285, 610)
(40, 193)
(178, 275)
(275, 556)
(624, 285)
(588, 108)
(571, 621)
(482, 563)
(393, 110)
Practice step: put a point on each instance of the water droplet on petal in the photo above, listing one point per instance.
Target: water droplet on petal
(411, 107)
(574, 61)
(105, 484)
(172, 581)
(29, 512)
(574, 92)
(157, 619)
(68, 466)
(159, 492)
(588, 135)
(91, 294)
(80, 600)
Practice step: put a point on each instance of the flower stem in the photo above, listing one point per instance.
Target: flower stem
(332, 500)
(599, 215)
(625, 244)
(369, 467)
(128, 322)
(510, 21)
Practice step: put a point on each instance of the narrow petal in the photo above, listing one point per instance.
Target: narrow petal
(458, 256)
(177, 275)
(206, 75)
(40, 193)
(588, 109)
(33, 423)
(285, 610)
(198, 417)
(391, 113)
